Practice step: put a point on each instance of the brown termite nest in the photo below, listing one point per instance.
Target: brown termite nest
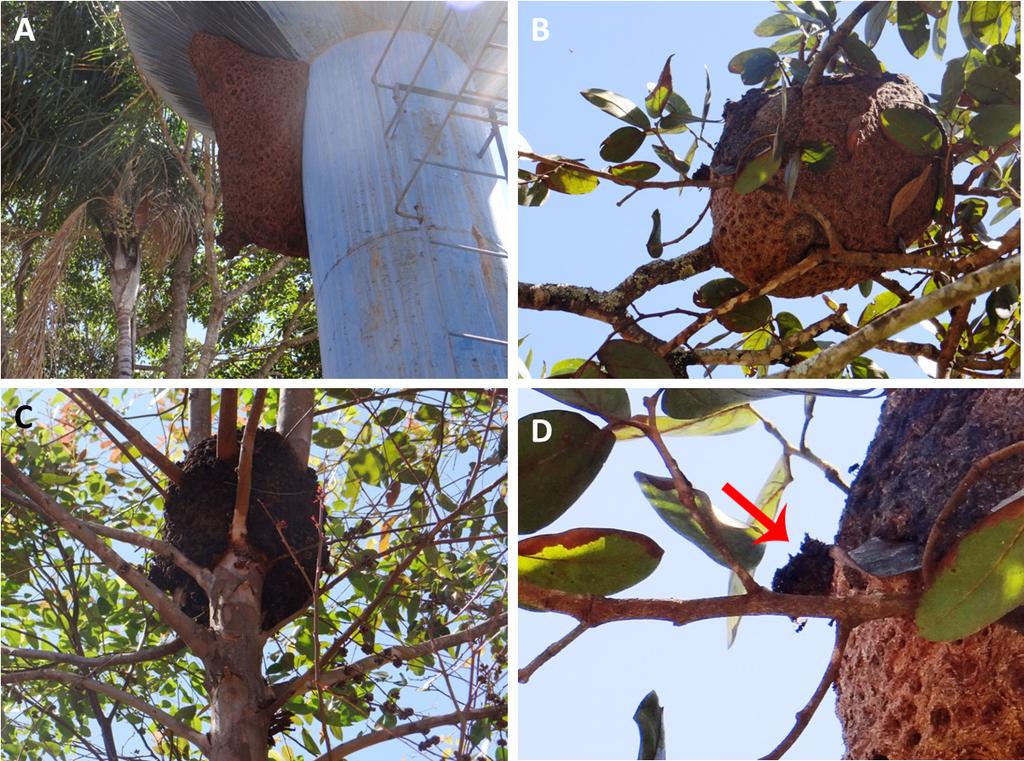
(257, 105)
(285, 502)
(899, 695)
(809, 572)
(760, 234)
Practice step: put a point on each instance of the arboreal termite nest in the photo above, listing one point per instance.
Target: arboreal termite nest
(285, 502)
(899, 695)
(760, 234)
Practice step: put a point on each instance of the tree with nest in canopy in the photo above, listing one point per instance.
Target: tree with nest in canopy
(111, 212)
(309, 589)
(833, 172)
(922, 584)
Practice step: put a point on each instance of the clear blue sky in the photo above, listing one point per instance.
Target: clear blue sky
(719, 703)
(621, 46)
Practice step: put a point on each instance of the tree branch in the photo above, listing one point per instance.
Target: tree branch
(151, 453)
(239, 520)
(550, 652)
(411, 728)
(804, 715)
(833, 359)
(227, 425)
(595, 611)
(101, 662)
(831, 46)
(175, 727)
(197, 637)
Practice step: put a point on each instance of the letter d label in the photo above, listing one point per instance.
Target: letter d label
(538, 437)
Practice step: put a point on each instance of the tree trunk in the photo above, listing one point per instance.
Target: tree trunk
(125, 270)
(198, 416)
(295, 420)
(900, 696)
(181, 279)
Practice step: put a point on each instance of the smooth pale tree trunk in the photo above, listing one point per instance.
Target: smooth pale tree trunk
(295, 420)
(174, 365)
(198, 416)
(125, 270)
(395, 294)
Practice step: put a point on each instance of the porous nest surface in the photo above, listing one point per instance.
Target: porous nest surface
(257, 105)
(197, 520)
(899, 695)
(760, 234)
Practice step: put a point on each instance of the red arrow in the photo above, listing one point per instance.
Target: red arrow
(775, 531)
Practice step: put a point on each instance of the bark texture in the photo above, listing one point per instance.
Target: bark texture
(900, 696)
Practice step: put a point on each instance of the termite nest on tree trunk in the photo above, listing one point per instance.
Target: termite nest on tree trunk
(760, 234)
(284, 506)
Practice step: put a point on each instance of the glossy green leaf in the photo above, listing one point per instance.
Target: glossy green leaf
(609, 403)
(555, 471)
(625, 359)
(618, 106)
(818, 155)
(718, 424)
(984, 23)
(655, 248)
(649, 718)
(570, 181)
(596, 561)
(860, 57)
(669, 158)
(622, 144)
(691, 403)
(658, 97)
(913, 26)
(979, 581)
(952, 85)
(755, 65)
(882, 303)
(756, 173)
(662, 496)
(773, 26)
(995, 125)
(748, 316)
(329, 438)
(940, 28)
(635, 170)
(874, 22)
(575, 368)
(915, 131)
(990, 85)
(716, 292)
(865, 368)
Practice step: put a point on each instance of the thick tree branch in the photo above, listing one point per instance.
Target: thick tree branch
(227, 425)
(126, 429)
(413, 727)
(100, 662)
(833, 359)
(196, 636)
(175, 727)
(595, 611)
(239, 520)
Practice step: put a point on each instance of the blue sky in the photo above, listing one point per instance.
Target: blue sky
(719, 703)
(621, 46)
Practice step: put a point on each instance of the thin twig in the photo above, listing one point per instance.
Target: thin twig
(804, 715)
(550, 652)
(977, 470)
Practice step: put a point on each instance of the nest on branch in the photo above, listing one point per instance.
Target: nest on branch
(285, 501)
(760, 234)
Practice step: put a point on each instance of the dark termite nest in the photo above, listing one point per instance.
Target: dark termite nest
(285, 500)
(760, 234)
(809, 572)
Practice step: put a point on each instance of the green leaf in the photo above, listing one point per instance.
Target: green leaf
(596, 561)
(556, 471)
(570, 181)
(654, 246)
(939, 30)
(859, 56)
(984, 23)
(979, 581)
(952, 85)
(818, 155)
(716, 292)
(618, 106)
(635, 170)
(756, 173)
(732, 623)
(882, 303)
(575, 368)
(625, 359)
(658, 97)
(865, 286)
(532, 193)
(916, 132)
(913, 25)
(329, 438)
(718, 424)
(661, 494)
(609, 403)
(55, 479)
(773, 26)
(755, 65)
(874, 22)
(692, 403)
(866, 368)
(649, 718)
(995, 125)
(670, 159)
(622, 144)
(991, 85)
